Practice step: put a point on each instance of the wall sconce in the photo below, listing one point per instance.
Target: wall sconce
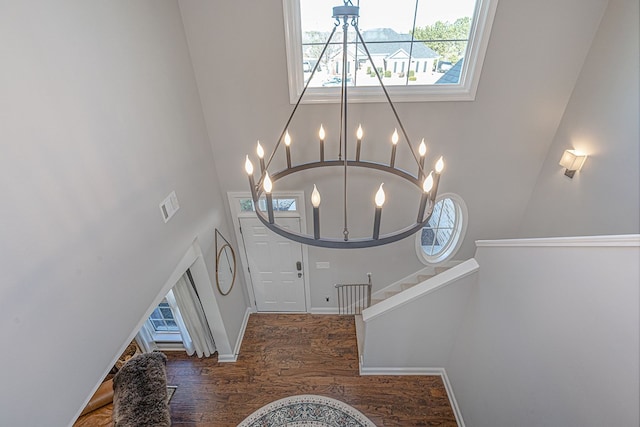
(572, 160)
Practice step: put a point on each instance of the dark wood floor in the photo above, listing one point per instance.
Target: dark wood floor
(288, 354)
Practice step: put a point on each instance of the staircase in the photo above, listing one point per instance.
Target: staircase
(408, 282)
(354, 298)
(376, 313)
(410, 324)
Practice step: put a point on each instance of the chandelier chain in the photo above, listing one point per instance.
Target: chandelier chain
(386, 94)
(345, 15)
(343, 122)
(293, 112)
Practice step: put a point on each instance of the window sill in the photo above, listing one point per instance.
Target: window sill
(170, 346)
(316, 95)
(167, 338)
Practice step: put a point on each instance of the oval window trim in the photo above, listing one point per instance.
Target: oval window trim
(457, 236)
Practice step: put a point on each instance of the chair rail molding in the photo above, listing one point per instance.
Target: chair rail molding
(584, 241)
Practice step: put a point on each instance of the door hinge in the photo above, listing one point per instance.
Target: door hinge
(240, 229)
(249, 269)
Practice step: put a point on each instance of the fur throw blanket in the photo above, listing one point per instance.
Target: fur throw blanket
(140, 392)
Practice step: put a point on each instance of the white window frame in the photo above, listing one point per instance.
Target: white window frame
(459, 231)
(464, 91)
(163, 336)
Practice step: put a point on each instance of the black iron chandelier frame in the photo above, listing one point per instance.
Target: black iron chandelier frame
(347, 15)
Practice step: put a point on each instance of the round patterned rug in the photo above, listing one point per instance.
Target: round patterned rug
(307, 411)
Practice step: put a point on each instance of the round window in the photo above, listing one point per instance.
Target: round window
(440, 239)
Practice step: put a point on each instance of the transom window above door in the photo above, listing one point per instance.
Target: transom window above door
(280, 204)
(423, 49)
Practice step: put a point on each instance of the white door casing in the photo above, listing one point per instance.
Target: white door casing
(237, 213)
(275, 265)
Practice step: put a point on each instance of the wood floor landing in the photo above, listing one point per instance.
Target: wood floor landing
(288, 354)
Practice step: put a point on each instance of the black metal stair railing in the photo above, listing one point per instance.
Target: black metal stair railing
(353, 298)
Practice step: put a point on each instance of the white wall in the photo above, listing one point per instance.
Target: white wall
(233, 305)
(493, 146)
(100, 121)
(551, 336)
(418, 334)
(602, 120)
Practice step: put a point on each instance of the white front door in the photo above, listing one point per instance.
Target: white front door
(275, 265)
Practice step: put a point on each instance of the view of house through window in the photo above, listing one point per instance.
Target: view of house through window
(424, 50)
(411, 42)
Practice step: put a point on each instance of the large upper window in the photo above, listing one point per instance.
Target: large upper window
(424, 50)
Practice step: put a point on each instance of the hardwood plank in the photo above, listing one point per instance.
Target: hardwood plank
(288, 354)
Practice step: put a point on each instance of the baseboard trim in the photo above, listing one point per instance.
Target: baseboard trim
(400, 371)
(420, 371)
(452, 398)
(324, 310)
(226, 358)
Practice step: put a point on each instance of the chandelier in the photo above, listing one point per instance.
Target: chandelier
(427, 184)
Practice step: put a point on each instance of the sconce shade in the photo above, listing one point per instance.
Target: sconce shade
(572, 161)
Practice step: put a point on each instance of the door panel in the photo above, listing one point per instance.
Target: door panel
(277, 284)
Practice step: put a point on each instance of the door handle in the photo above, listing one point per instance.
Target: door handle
(299, 266)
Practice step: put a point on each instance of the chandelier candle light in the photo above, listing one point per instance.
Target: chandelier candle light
(321, 134)
(347, 15)
(358, 142)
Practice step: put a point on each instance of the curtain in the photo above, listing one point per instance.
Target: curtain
(177, 316)
(145, 340)
(194, 321)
